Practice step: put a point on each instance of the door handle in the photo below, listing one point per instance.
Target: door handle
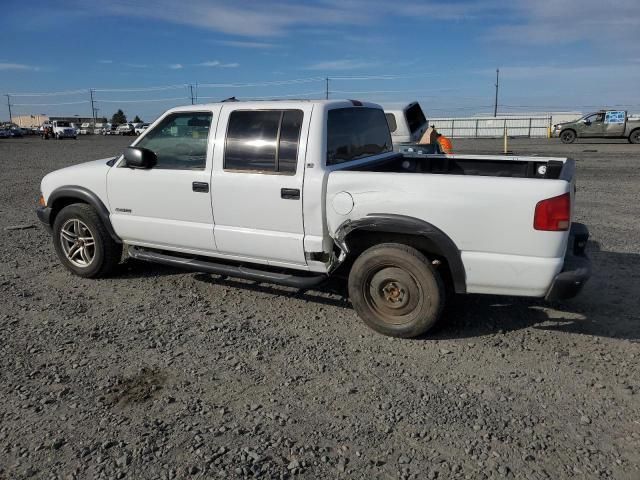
(290, 193)
(202, 187)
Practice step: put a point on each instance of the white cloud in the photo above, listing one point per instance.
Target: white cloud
(176, 66)
(240, 17)
(242, 44)
(18, 66)
(547, 22)
(345, 64)
(216, 63)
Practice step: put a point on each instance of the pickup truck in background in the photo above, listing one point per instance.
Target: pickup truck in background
(295, 192)
(602, 124)
(407, 122)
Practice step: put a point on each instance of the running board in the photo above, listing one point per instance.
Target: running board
(288, 280)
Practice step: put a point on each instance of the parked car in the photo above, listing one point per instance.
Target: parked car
(126, 129)
(63, 129)
(110, 129)
(85, 128)
(407, 122)
(300, 198)
(16, 132)
(5, 133)
(141, 128)
(602, 124)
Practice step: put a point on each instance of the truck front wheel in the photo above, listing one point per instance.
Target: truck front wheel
(635, 136)
(395, 290)
(82, 242)
(568, 136)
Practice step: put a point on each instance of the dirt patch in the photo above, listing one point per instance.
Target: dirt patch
(146, 384)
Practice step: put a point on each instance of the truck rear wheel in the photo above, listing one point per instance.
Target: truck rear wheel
(395, 290)
(635, 136)
(82, 242)
(568, 136)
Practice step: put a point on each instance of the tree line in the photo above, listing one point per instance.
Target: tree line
(119, 118)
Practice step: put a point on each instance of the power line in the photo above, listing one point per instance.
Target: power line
(45, 94)
(291, 95)
(142, 101)
(49, 104)
(141, 89)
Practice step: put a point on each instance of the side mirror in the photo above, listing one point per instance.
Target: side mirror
(139, 157)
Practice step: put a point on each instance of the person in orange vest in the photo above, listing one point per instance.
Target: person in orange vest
(445, 143)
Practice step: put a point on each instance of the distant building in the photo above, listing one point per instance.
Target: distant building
(26, 121)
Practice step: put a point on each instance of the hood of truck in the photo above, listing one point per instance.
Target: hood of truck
(90, 175)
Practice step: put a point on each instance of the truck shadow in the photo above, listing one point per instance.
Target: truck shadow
(608, 306)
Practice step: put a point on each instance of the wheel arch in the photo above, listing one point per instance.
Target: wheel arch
(70, 194)
(418, 233)
(631, 133)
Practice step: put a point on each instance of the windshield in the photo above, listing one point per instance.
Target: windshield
(63, 124)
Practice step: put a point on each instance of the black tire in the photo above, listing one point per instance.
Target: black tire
(106, 252)
(568, 136)
(634, 137)
(396, 291)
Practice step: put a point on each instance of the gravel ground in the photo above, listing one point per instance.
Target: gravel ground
(156, 373)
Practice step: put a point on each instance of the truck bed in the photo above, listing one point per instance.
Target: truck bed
(478, 165)
(484, 203)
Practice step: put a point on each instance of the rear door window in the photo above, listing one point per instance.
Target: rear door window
(356, 133)
(263, 141)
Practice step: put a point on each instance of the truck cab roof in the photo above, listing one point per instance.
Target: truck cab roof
(276, 104)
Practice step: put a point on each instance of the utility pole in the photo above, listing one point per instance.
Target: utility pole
(93, 108)
(326, 88)
(495, 105)
(9, 105)
(191, 93)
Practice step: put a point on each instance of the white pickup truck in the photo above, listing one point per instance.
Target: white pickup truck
(292, 192)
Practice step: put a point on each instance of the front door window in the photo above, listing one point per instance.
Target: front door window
(180, 141)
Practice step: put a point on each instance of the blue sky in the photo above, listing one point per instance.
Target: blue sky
(553, 54)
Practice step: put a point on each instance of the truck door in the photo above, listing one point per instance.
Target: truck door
(614, 123)
(169, 205)
(592, 126)
(257, 182)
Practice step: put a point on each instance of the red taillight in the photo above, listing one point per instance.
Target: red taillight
(553, 214)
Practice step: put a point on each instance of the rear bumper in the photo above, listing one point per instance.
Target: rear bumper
(44, 215)
(577, 266)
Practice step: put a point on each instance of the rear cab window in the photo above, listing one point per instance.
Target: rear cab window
(391, 120)
(356, 133)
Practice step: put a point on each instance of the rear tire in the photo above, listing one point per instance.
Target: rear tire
(634, 137)
(82, 242)
(568, 136)
(396, 291)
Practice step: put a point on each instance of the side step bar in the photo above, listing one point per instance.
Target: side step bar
(197, 265)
